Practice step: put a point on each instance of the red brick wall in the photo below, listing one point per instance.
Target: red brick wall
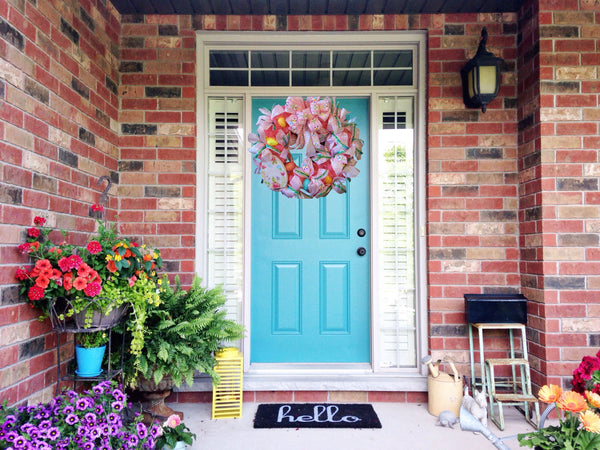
(58, 113)
(512, 199)
(473, 181)
(158, 136)
(473, 174)
(560, 203)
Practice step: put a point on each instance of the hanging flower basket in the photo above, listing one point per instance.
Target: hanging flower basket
(92, 313)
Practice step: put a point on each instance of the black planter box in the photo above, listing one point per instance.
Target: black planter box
(496, 308)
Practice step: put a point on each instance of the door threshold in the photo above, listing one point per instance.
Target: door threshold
(320, 377)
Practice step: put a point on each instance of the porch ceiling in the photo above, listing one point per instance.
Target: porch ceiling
(302, 7)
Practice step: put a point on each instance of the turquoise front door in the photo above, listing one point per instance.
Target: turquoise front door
(310, 295)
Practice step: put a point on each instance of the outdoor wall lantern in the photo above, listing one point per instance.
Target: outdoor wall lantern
(481, 76)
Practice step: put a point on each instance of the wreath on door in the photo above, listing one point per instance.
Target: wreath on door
(318, 125)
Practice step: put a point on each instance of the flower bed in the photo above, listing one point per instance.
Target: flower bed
(96, 419)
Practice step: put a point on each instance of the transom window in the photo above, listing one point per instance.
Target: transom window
(311, 67)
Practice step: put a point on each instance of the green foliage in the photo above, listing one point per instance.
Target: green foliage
(567, 435)
(182, 333)
(93, 339)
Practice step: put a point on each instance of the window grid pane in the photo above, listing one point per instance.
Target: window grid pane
(266, 67)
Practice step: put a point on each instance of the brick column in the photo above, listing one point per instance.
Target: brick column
(559, 169)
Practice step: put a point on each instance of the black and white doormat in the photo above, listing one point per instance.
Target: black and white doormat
(316, 415)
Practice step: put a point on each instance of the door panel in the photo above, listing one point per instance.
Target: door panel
(310, 288)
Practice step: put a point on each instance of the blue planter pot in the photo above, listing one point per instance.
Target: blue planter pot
(179, 446)
(89, 361)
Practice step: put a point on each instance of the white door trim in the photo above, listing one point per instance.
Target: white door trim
(332, 377)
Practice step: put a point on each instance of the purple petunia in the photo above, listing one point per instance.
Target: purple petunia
(99, 408)
(155, 431)
(142, 431)
(133, 441)
(71, 419)
(118, 395)
(98, 389)
(11, 436)
(45, 424)
(53, 433)
(90, 419)
(117, 406)
(68, 409)
(81, 404)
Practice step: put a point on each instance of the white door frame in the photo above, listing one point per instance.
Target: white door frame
(311, 377)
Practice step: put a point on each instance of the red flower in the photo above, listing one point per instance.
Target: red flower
(94, 247)
(22, 274)
(40, 221)
(35, 293)
(84, 270)
(80, 283)
(56, 274)
(92, 289)
(68, 281)
(25, 248)
(93, 277)
(97, 208)
(43, 265)
(69, 262)
(56, 250)
(34, 246)
(42, 281)
(583, 374)
(33, 232)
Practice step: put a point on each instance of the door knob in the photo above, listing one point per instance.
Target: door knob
(361, 251)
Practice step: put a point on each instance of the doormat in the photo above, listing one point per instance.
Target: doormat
(316, 415)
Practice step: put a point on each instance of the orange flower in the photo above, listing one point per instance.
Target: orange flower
(572, 402)
(84, 270)
(56, 274)
(593, 399)
(79, 283)
(590, 421)
(550, 393)
(42, 281)
(112, 268)
(43, 264)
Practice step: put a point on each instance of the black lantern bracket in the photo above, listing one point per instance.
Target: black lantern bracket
(481, 76)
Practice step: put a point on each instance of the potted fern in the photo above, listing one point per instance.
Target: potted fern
(182, 333)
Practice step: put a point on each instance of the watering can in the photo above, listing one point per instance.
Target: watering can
(445, 390)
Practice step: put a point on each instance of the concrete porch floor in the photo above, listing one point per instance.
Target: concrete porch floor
(404, 426)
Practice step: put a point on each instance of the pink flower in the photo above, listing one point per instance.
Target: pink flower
(69, 262)
(33, 232)
(94, 247)
(97, 208)
(92, 289)
(172, 421)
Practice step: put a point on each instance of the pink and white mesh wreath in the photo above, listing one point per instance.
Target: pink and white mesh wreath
(319, 126)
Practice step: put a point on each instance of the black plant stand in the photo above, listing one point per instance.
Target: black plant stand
(62, 324)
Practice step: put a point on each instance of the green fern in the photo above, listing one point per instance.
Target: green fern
(182, 334)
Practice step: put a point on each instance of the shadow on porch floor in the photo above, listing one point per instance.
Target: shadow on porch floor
(404, 426)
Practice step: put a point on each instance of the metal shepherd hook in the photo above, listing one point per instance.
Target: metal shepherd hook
(104, 196)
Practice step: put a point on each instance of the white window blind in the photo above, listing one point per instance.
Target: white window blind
(225, 200)
(396, 248)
